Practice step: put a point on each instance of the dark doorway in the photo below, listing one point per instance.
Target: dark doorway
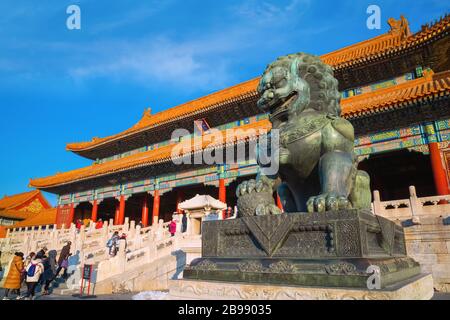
(133, 207)
(107, 209)
(83, 211)
(391, 173)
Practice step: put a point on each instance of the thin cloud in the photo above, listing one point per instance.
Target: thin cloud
(132, 16)
(187, 64)
(260, 12)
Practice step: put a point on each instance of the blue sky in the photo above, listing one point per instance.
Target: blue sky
(59, 85)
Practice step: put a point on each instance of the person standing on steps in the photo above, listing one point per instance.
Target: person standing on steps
(172, 227)
(184, 223)
(78, 225)
(13, 279)
(34, 272)
(113, 244)
(28, 259)
(63, 260)
(99, 224)
(41, 253)
(49, 270)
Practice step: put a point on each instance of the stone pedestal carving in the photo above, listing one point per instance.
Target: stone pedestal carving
(331, 249)
(416, 288)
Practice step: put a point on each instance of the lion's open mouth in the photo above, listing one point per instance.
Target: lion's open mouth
(280, 110)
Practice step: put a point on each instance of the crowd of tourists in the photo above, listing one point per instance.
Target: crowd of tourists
(41, 268)
(87, 223)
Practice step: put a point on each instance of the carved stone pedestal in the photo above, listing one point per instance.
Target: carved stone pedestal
(335, 249)
(417, 288)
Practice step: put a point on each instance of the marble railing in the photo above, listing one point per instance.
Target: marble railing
(414, 208)
(88, 244)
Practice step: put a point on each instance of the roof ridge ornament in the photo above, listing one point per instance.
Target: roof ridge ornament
(399, 27)
(428, 74)
(147, 112)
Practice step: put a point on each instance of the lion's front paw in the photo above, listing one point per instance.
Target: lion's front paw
(327, 201)
(251, 186)
(255, 198)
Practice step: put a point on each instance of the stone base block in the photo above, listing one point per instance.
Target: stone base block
(416, 288)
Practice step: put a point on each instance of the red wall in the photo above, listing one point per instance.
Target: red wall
(63, 216)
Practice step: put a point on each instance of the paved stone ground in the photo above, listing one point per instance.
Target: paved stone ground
(39, 296)
(441, 296)
(128, 296)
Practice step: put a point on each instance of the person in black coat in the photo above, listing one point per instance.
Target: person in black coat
(41, 253)
(184, 223)
(49, 270)
(65, 254)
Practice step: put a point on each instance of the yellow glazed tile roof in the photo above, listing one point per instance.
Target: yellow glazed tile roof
(155, 156)
(397, 39)
(228, 95)
(9, 202)
(15, 214)
(45, 217)
(388, 98)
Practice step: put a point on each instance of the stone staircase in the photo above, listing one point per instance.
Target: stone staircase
(60, 287)
(67, 286)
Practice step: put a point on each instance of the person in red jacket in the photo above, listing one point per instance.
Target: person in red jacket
(172, 228)
(99, 224)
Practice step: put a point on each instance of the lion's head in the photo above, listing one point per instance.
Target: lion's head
(295, 83)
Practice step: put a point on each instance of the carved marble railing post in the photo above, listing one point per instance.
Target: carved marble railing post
(179, 223)
(54, 237)
(416, 206)
(80, 238)
(132, 229)
(121, 256)
(126, 225)
(154, 230)
(33, 246)
(188, 223)
(377, 207)
(73, 233)
(105, 232)
(137, 237)
(160, 230)
(152, 251)
(26, 246)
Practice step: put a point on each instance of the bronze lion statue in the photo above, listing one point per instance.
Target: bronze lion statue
(317, 167)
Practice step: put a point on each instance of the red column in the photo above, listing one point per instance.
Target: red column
(71, 214)
(155, 213)
(121, 210)
(116, 215)
(222, 194)
(279, 203)
(440, 179)
(144, 218)
(94, 211)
